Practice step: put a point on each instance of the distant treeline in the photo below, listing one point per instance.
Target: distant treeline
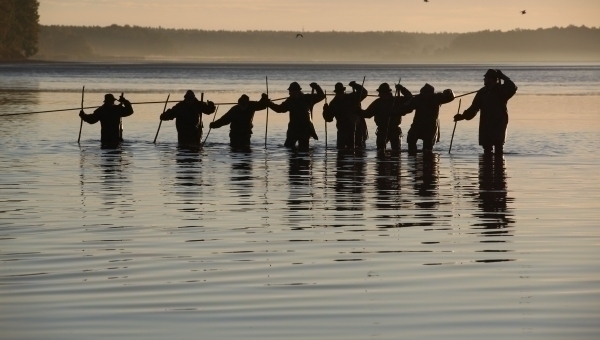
(132, 42)
(19, 29)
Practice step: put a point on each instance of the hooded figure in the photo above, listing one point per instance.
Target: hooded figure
(299, 105)
(345, 108)
(109, 115)
(240, 117)
(187, 115)
(388, 112)
(426, 124)
(492, 101)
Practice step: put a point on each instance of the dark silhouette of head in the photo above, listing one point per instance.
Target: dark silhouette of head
(427, 90)
(295, 90)
(384, 89)
(189, 96)
(109, 98)
(339, 88)
(243, 101)
(490, 78)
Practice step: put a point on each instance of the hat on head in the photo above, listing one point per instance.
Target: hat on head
(491, 74)
(294, 87)
(244, 99)
(427, 89)
(109, 98)
(385, 87)
(189, 94)
(339, 88)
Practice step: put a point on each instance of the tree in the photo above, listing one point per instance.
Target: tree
(19, 28)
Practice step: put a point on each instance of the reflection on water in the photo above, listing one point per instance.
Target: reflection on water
(492, 200)
(350, 175)
(388, 185)
(300, 178)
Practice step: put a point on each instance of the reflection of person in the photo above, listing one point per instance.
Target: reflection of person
(387, 183)
(299, 105)
(426, 124)
(109, 115)
(492, 199)
(425, 174)
(349, 180)
(187, 118)
(491, 100)
(388, 115)
(345, 108)
(240, 117)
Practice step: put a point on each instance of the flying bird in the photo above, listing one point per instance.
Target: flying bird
(299, 35)
(523, 12)
(426, 0)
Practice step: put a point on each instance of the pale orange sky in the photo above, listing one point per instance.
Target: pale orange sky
(348, 15)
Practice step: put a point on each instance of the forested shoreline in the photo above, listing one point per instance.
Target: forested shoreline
(143, 43)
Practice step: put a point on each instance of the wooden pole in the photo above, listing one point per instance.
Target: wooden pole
(452, 139)
(325, 123)
(387, 132)
(362, 86)
(209, 128)
(267, 125)
(160, 123)
(121, 122)
(81, 123)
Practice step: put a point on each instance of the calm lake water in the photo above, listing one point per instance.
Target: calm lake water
(152, 242)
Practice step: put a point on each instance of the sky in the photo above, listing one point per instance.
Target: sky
(326, 15)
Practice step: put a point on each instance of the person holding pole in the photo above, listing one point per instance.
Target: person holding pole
(299, 105)
(491, 100)
(240, 117)
(187, 114)
(388, 113)
(109, 115)
(426, 123)
(345, 108)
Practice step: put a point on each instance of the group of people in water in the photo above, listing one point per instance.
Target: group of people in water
(387, 111)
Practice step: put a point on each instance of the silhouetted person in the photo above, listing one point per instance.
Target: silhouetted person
(345, 108)
(491, 100)
(299, 105)
(426, 123)
(187, 115)
(388, 113)
(240, 119)
(109, 115)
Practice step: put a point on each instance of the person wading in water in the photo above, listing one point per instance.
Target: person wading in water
(299, 105)
(387, 111)
(345, 108)
(240, 117)
(187, 114)
(492, 101)
(426, 123)
(109, 115)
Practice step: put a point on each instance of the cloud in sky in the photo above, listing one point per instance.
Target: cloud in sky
(326, 15)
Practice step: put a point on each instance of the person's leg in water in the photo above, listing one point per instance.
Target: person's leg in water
(427, 146)
(381, 138)
(487, 149)
(395, 139)
(303, 143)
(412, 139)
(499, 149)
(290, 140)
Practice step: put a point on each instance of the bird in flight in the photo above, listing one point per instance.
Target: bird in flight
(426, 0)
(299, 35)
(523, 12)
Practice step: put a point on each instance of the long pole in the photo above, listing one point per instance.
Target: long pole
(121, 124)
(209, 128)
(452, 139)
(160, 123)
(387, 132)
(81, 123)
(325, 123)
(312, 103)
(267, 125)
(362, 86)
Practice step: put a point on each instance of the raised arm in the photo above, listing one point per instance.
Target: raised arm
(317, 96)
(404, 91)
(445, 97)
(261, 104)
(508, 88)
(207, 108)
(279, 108)
(358, 90)
(371, 110)
(126, 108)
